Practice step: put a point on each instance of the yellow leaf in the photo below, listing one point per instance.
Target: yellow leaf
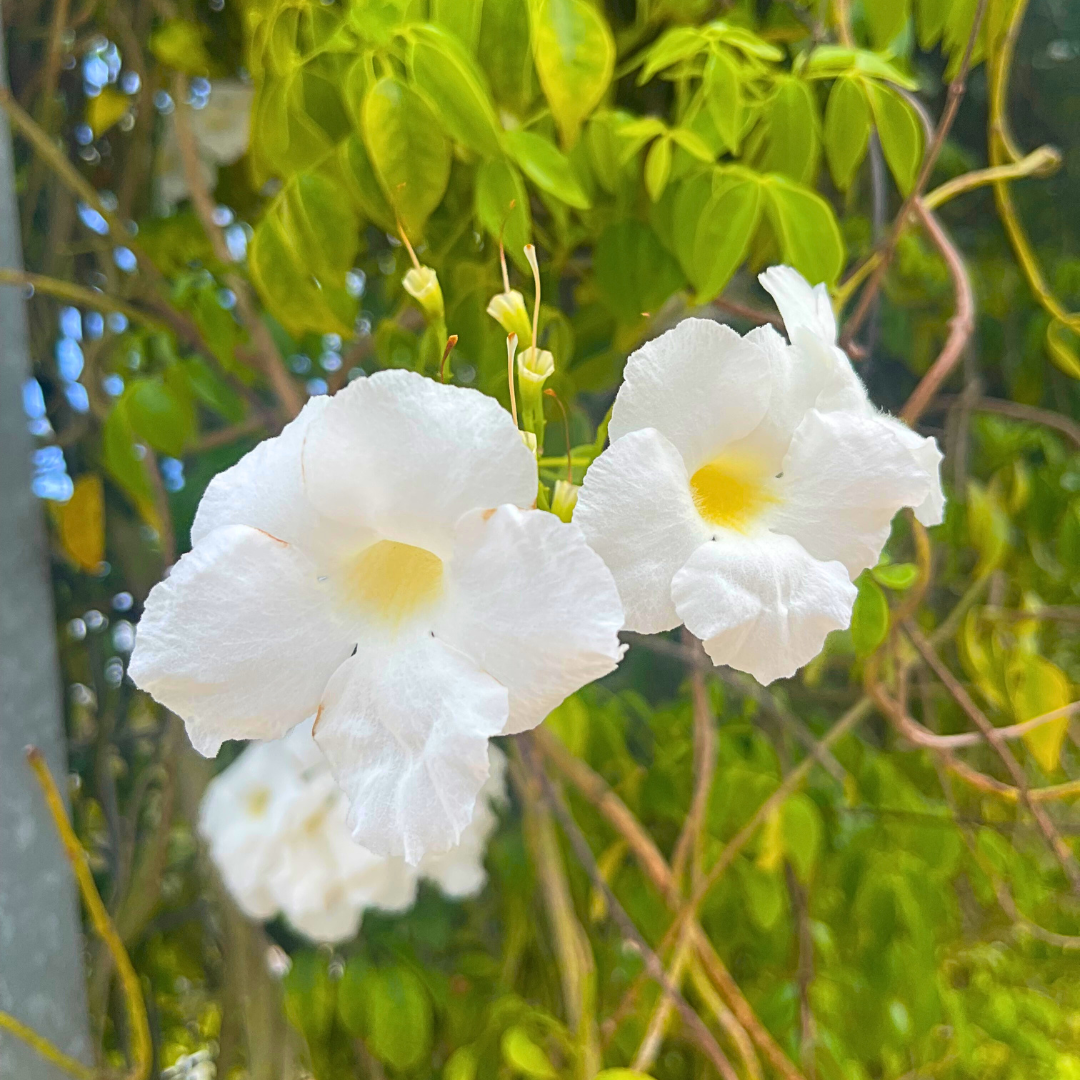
(179, 44)
(988, 527)
(80, 523)
(1038, 686)
(106, 109)
(771, 856)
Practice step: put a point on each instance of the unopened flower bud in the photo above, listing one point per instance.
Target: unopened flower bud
(422, 284)
(509, 311)
(564, 499)
(534, 368)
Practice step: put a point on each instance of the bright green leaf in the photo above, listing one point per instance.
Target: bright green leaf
(634, 272)
(658, 167)
(722, 86)
(900, 132)
(794, 131)
(408, 151)
(806, 227)
(896, 576)
(524, 1056)
(678, 43)
(886, 18)
(502, 205)
(847, 129)
(159, 416)
(1038, 686)
(546, 166)
(398, 1019)
(575, 57)
(802, 831)
(454, 84)
(692, 143)
(723, 234)
(869, 617)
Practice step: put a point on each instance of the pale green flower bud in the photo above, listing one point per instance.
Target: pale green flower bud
(422, 284)
(534, 368)
(509, 311)
(564, 499)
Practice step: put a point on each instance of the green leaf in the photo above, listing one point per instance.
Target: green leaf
(689, 202)
(678, 43)
(546, 166)
(212, 391)
(302, 248)
(124, 464)
(505, 45)
(363, 185)
(746, 41)
(634, 273)
(869, 617)
(461, 18)
(763, 893)
(179, 44)
(502, 205)
(574, 54)
(524, 1056)
(930, 16)
(828, 61)
(886, 18)
(408, 151)
(310, 998)
(1037, 686)
(658, 167)
(806, 227)
(398, 1017)
(450, 78)
(794, 127)
(692, 143)
(722, 238)
(461, 1065)
(159, 416)
(847, 129)
(801, 828)
(987, 526)
(722, 87)
(900, 132)
(896, 576)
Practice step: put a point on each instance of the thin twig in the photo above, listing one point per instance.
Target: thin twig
(45, 1048)
(141, 1048)
(952, 103)
(1018, 411)
(77, 294)
(694, 1024)
(285, 389)
(961, 325)
(1042, 819)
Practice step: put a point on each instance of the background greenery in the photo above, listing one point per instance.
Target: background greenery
(889, 906)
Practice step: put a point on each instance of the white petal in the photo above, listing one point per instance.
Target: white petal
(406, 734)
(699, 384)
(460, 871)
(407, 457)
(927, 454)
(328, 923)
(265, 489)
(239, 640)
(637, 514)
(799, 304)
(761, 603)
(531, 604)
(845, 477)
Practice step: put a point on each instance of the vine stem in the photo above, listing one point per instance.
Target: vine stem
(46, 1049)
(142, 1047)
(952, 103)
(702, 1035)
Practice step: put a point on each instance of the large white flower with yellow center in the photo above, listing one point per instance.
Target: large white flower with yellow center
(748, 482)
(377, 565)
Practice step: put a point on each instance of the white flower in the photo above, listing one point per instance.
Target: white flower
(221, 129)
(372, 566)
(748, 482)
(276, 826)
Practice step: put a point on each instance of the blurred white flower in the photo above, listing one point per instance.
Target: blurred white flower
(372, 566)
(221, 129)
(748, 482)
(276, 825)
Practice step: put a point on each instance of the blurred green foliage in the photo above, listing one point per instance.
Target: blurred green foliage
(889, 919)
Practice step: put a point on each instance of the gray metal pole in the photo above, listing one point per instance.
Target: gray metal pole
(41, 949)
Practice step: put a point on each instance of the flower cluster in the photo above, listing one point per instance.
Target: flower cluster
(380, 568)
(275, 824)
(749, 480)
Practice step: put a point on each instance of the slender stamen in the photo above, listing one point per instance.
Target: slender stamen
(530, 254)
(566, 425)
(408, 246)
(511, 352)
(451, 341)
